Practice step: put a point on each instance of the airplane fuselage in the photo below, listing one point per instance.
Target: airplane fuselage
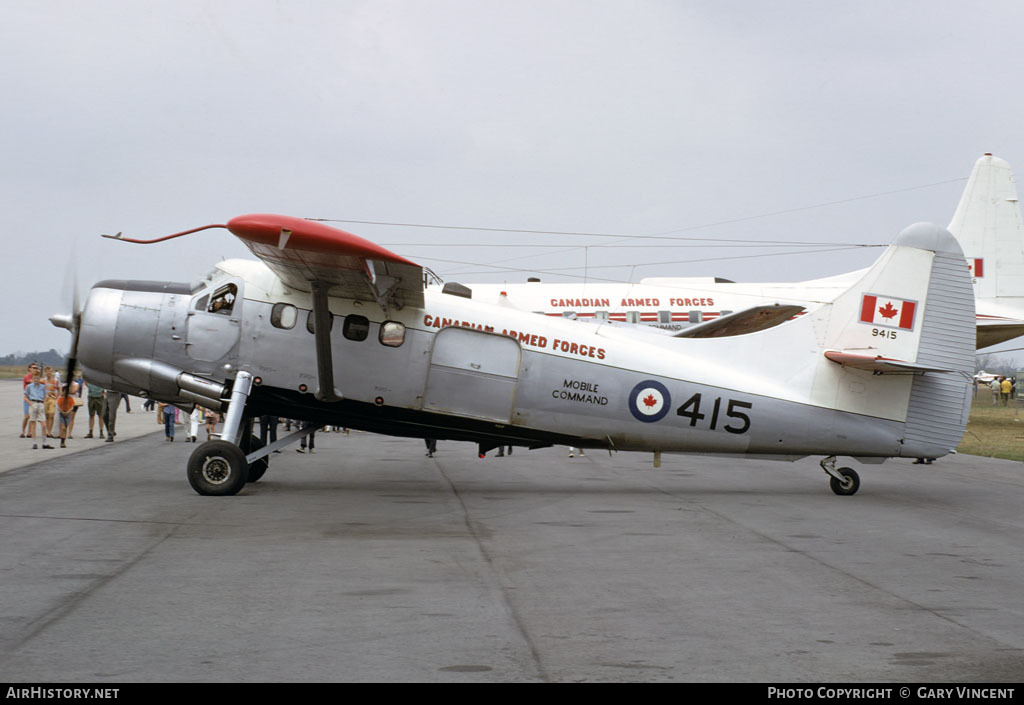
(465, 370)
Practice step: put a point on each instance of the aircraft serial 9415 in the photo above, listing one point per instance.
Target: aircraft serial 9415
(330, 328)
(987, 223)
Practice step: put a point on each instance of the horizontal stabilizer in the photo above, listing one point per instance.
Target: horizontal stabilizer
(879, 364)
(749, 320)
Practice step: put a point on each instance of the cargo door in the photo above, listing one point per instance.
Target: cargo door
(473, 373)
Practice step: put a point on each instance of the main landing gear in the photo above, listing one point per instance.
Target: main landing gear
(223, 467)
(843, 481)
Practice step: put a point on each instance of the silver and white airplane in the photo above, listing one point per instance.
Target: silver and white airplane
(329, 328)
(987, 223)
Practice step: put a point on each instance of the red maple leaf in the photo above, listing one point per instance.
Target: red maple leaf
(649, 400)
(887, 311)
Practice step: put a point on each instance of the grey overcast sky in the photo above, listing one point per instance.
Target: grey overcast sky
(822, 122)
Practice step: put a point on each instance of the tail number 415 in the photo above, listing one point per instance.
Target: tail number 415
(691, 410)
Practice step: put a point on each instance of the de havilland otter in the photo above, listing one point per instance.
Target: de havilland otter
(329, 328)
(987, 223)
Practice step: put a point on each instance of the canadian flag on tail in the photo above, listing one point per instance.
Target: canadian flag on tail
(887, 311)
(976, 267)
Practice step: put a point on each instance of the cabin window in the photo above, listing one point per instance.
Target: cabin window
(664, 316)
(201, 302)
(311, 322)
(284, 316)
(695, 316)
(356, 327)
(601, 315)
(392, 334)
(568, 314)
(632, 316)
(223, 300)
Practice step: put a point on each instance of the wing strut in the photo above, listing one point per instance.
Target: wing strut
(322, 331)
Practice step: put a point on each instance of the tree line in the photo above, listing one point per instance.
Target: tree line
(50, 357)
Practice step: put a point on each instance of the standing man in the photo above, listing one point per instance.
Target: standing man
(26, 380)
(996, 387)
(94, 398)
(52, 392)
(1004, 388)
(193, 423)
(111, 400)
(268, 429)
(35, 396)
(311, 436)
(168, 417)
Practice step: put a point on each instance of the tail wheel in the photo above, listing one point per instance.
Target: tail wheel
(850, 483)
(217, 468)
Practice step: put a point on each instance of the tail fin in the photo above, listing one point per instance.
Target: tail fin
(911, 315)
(988, 224)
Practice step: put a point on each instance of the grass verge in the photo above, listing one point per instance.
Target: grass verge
(994, 431)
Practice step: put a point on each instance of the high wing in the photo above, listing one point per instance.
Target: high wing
(303, 252)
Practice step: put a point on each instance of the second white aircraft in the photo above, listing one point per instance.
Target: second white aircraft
(987, 223)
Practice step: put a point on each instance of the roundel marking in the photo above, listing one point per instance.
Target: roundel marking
(649, 401)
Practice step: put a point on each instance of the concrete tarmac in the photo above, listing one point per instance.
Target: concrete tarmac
(370, 562)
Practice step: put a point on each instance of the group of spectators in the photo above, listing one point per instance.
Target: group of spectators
(48, 400)
(1003, 390)
(268, 432)
(167, 414)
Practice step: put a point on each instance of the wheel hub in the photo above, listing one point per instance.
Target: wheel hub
(216, 470)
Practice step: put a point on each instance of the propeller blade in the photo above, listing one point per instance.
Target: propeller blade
(71, 322)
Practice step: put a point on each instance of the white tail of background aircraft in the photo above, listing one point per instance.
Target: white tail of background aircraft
(988, 225)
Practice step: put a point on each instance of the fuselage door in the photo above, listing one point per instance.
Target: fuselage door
(214, 323)
(473, 373)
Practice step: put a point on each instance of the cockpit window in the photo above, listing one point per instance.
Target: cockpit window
(223, 300)
(201, 302)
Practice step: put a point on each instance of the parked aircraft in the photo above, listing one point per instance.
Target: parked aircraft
(332, 329)
(987, 223)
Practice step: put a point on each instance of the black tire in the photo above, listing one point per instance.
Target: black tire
(217, 468)
(259, 468)
(849, 487)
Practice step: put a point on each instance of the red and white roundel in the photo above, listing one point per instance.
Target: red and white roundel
(649, 401)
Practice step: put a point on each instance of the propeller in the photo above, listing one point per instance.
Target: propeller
(73, 323)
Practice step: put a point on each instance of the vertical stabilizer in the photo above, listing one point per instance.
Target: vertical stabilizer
(988, 225)
(914, 309)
